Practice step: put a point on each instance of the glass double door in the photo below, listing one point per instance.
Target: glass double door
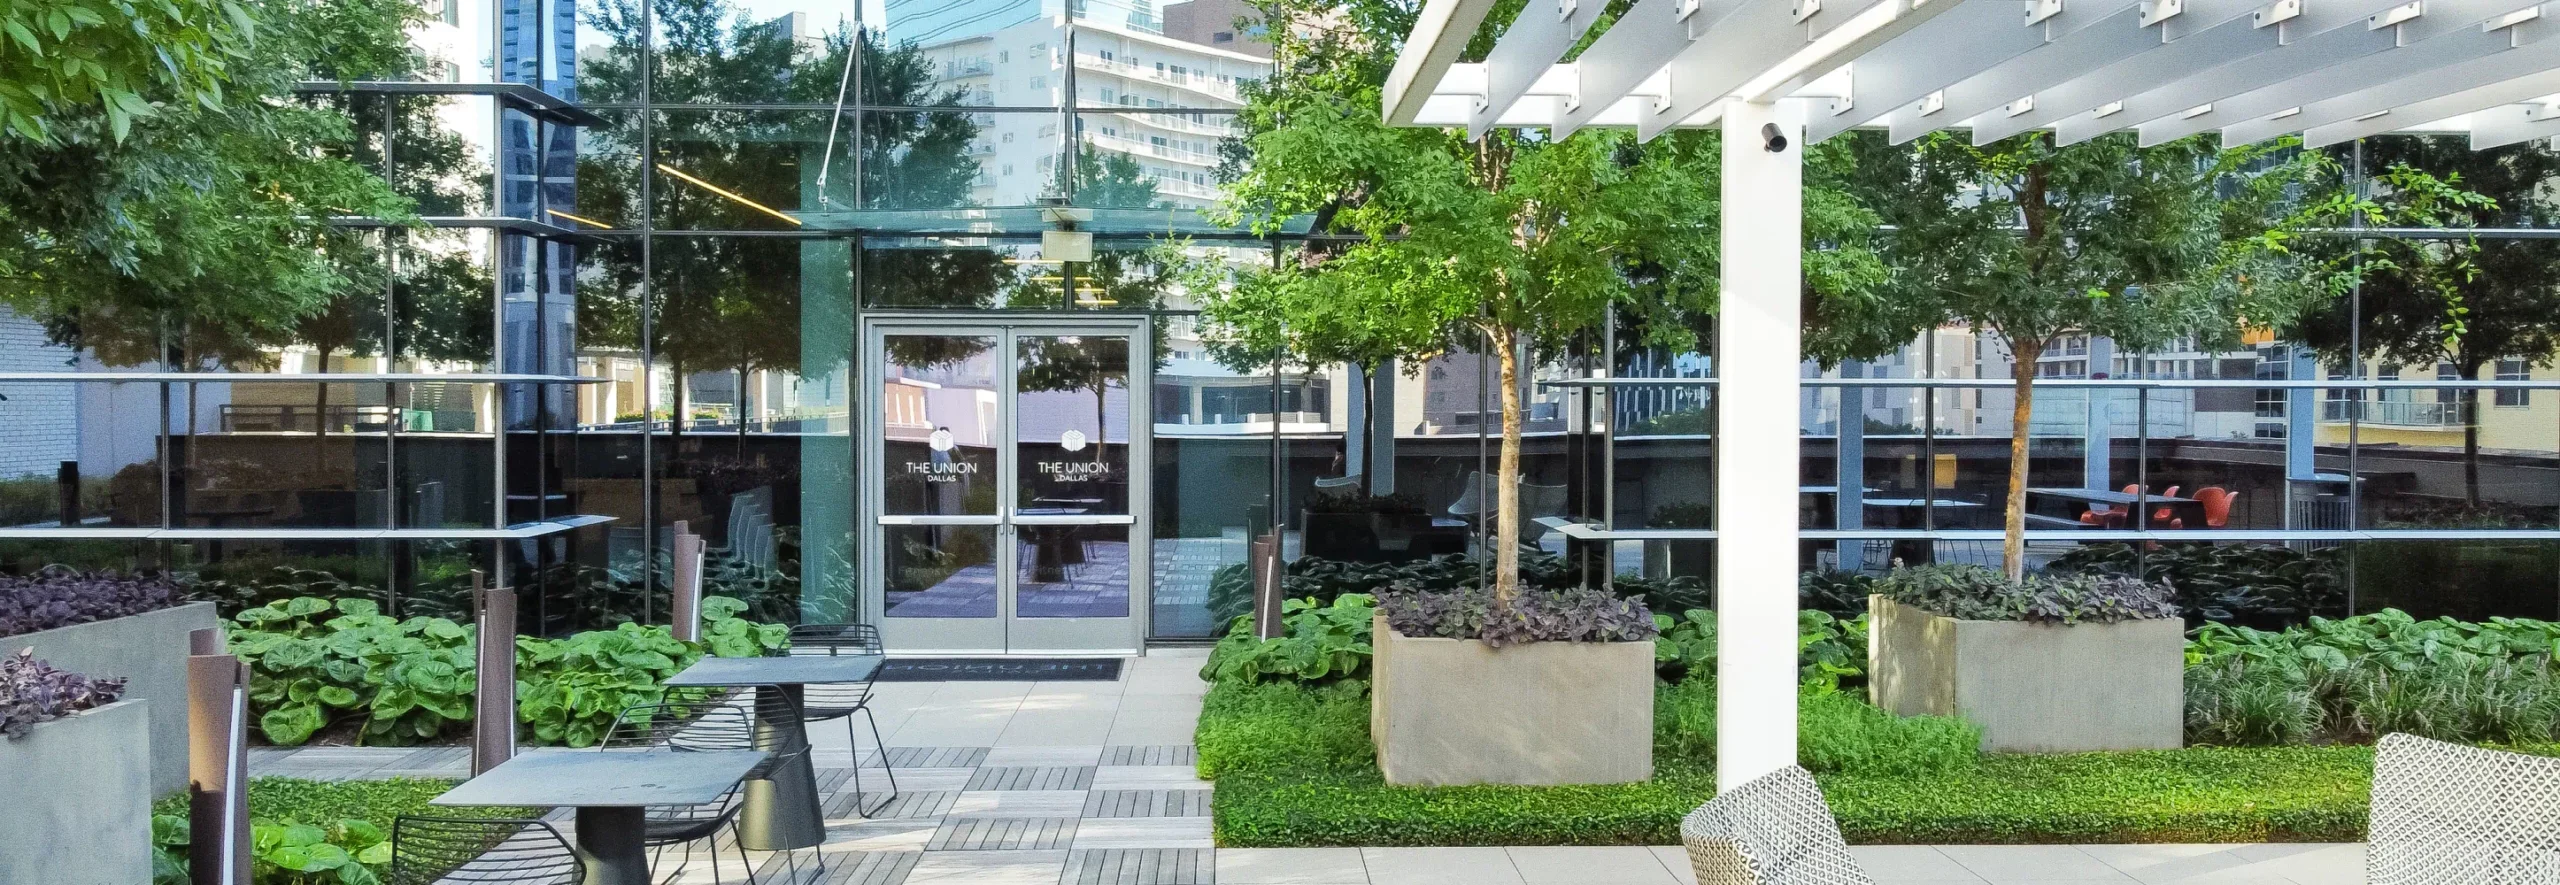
(1006, 505)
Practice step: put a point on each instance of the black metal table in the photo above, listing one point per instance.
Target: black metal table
(781, 813)
(611, 789)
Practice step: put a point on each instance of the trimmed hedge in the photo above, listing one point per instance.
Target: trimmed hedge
(1294, 768)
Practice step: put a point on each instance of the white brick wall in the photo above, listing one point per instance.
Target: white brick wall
(39, 423)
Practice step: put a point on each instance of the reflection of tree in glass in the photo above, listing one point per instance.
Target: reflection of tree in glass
(720, 300)
(1076, 362)
(2457, 302)
(1112, 181)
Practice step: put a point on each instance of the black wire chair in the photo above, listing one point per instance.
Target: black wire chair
(707, 721)
(840, 700)
(429, 850)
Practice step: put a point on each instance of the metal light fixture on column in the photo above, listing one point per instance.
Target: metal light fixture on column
(493, 721)
(217, 762)
(685, 614)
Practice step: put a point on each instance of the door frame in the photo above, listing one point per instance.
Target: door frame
(1006, 633)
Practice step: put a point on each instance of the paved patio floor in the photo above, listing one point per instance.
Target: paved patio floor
(1085, 783)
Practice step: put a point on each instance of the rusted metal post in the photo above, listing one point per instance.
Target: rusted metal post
(217, 762)
(493, 720)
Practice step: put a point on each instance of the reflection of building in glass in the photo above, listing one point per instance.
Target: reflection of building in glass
(1149, 95)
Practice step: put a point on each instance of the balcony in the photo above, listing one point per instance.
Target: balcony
(2392, 413)
(1191, 80)
(976, 67)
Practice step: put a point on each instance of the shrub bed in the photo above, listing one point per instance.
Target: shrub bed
(317, 664)
(2353, 679)
(61, 597)
(312, 831)
(1293, 768)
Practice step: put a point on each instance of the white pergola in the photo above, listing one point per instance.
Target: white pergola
(1774, 74)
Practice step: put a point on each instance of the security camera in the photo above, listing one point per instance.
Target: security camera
(1772, 139)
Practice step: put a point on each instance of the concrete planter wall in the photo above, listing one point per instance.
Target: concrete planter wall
(150, 651)
(1453, 711)
(75, 799)
(2032, 687)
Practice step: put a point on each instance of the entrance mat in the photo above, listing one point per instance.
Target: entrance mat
(1000, 670)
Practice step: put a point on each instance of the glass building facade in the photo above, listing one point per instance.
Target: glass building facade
(774, 271)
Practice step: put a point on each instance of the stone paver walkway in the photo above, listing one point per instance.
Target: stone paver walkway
(1086, 783)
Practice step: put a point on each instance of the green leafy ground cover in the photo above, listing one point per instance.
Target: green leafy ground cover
(1294, 767)
(306, 831)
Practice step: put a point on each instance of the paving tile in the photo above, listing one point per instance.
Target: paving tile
(1032, 757)
(1675, 859)
(1158, 702)
(1140, 866)
(1057, 777)
(1002, 833)
(1290, 866)
(937, 757)
(1147, 803)
(1158, 754)
(1439, 866)
(879, 835)
(1019, 803)
(2018, 863)
(1901, 863)
(870, 867)
(907, 804)
(2188, 864)
(1045, 728)
(1144, 832)
(2310, 864)
(929, 779)
(1611, 865)
(1148, 777)
(988, 868)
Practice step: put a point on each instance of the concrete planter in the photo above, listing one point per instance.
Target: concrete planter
(1457, 711)
(75, 799)
(150, 651)
(2033, 688)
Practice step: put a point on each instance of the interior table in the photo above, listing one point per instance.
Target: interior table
(781, 812)
(611, 790)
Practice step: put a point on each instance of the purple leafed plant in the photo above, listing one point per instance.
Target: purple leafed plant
(1581, 614)
(60, 597)
(32, 691)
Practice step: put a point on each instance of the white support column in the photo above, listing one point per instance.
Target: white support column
(1758, 347)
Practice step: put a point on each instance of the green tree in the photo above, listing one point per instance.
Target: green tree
(204, 213)
(2459, 302)
(1514, 243)
(2027, 241)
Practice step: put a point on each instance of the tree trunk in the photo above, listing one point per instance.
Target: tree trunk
(675, 415)
(2470, 400)
(1506, 478)
(320, 425)
(2013, 527)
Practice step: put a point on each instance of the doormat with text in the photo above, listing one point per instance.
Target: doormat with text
(1000, 670)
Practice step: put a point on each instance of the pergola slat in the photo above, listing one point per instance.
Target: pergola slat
(1961, 42)
(2201, 32)
(2111, 38)
(1528, 50)
(2447, 34)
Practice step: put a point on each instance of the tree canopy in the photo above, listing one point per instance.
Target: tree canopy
(2028, 240)
(192, 194)
(1509, 243)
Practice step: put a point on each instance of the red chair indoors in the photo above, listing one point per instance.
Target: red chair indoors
(2163, 516)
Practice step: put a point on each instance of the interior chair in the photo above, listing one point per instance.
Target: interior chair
(1775, 830)
(2165, 515)
(2103, 516)
(841, 700)
(705, 721)
(428, 850)
(2217, 515)
(2446, 813)
(1471, 502)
